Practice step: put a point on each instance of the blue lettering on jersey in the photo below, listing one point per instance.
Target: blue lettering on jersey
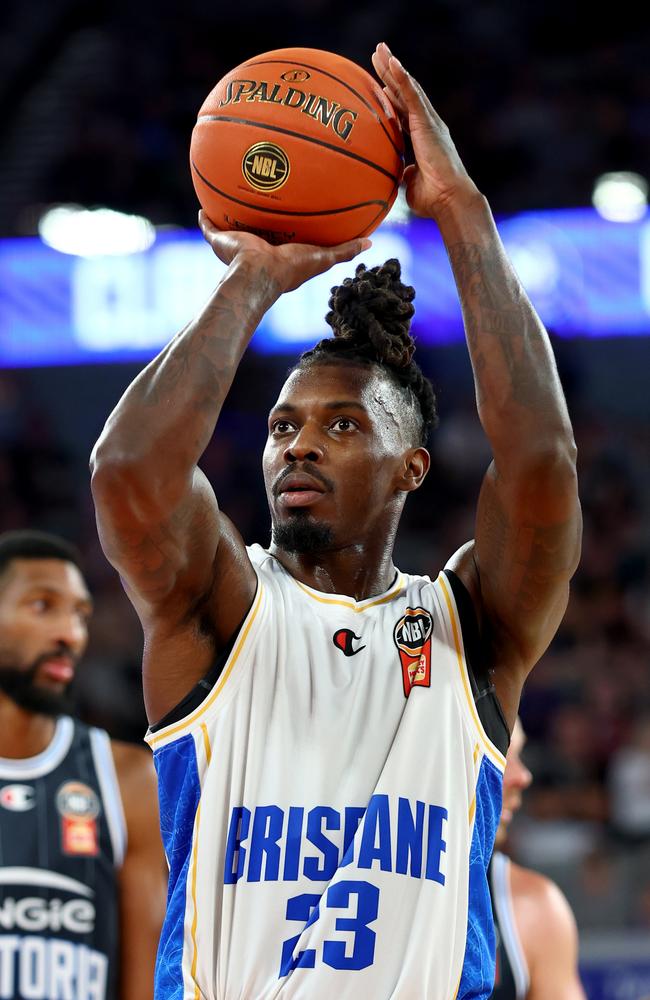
(267, 830)
(269, 843)
(316, 869)
(375, 839)
(410, 837)
(292, 851)
(436, 846)
(240, 820)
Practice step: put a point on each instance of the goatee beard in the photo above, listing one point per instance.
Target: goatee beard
(302, 534)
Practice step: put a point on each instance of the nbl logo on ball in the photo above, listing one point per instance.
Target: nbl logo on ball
(265, 166)
(295, 75)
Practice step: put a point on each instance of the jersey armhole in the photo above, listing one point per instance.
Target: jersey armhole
(485, 697)
(202, 688)
(503, 905)
(100, 745)
(192, 708)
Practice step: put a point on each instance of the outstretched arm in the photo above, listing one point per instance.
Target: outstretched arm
(528, 524)
(182, 562)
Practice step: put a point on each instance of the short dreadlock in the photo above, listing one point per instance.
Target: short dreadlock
(370, 315)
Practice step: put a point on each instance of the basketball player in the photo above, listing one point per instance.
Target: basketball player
(329, 752)
(537, 939)
(81, 867)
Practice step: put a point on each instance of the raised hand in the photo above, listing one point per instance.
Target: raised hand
(438, 174)
(290, 264)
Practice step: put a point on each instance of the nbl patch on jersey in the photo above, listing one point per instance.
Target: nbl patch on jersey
(79, 807)
(412, 636)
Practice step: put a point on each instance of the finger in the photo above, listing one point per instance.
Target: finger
(380, 61)
(204, 220)
(410, 90)
(224, 244)
(380, 57)
(206, 225)
(397, 103)
(346, 251)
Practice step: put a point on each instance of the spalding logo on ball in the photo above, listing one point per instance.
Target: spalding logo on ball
(297, 145)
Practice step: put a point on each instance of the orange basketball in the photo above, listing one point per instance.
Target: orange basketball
(297, 145)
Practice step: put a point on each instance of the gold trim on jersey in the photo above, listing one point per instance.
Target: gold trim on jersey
(206, 742)
(492, 751)
(194, 867)
(156, 738)
(351, 604)
(195, 915)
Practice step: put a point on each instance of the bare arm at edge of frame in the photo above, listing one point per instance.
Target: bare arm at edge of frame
(528, 524)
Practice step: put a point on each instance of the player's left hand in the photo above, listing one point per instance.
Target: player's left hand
(438, 175)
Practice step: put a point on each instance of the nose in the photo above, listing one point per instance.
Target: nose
(305, 446)
(523, 775)
(71, 631)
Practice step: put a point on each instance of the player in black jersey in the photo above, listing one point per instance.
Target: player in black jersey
(537, 941)
(81, 866)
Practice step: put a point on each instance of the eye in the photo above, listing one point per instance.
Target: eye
(343, 424)
(40, 605)
(281, 426)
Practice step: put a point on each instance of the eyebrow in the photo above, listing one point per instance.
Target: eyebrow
(335, 404)
(46, 588)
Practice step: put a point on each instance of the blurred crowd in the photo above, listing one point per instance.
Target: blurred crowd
(98, 100)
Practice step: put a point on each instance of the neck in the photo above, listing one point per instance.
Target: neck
(22, 733)
(353, 570)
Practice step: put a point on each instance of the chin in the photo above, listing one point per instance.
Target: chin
(501, 836)
(301, 533)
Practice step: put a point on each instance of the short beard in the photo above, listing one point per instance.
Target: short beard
(20, 687)
(302, 534)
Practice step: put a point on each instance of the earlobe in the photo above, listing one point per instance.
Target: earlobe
(416, 466)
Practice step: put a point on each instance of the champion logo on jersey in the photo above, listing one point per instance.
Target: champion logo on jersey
(345, 639)
(412, 636)
(17, 798)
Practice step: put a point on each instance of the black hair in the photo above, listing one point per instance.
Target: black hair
(370, 315)
(28, 544)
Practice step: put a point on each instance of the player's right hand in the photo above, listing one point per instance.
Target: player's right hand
(288, 265)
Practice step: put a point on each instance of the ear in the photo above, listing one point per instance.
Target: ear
(415, 466)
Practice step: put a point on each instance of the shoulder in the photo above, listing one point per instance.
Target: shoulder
(538, 890)
(135, 773)
(538, 901)
(130, 757)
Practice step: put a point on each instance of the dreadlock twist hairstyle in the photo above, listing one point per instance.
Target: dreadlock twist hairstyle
(370, 315)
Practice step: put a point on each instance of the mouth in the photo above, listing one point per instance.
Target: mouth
(509, 809)
(299, 490)
(57, 669)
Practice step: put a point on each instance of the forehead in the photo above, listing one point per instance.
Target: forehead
(23, 575)
(322, 383)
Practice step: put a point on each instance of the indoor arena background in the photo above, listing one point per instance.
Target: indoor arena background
(97, 103)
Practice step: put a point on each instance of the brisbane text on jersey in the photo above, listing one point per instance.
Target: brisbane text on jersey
(258, 838)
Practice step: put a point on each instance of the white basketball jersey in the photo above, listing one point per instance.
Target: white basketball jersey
(329, 810)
